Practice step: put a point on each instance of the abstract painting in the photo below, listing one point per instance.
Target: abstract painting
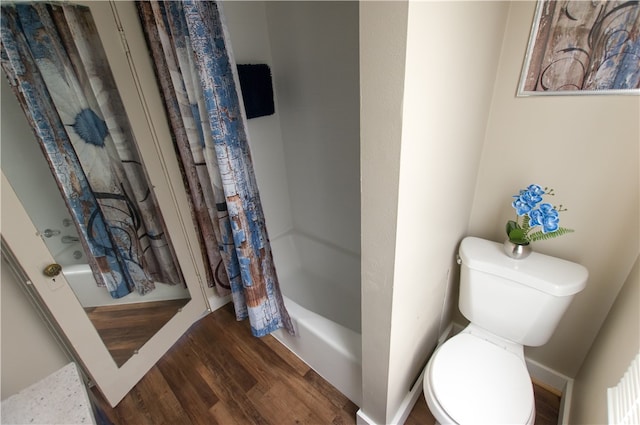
(583, 47)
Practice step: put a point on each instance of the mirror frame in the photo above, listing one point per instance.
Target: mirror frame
(24, 242)
(123, 41)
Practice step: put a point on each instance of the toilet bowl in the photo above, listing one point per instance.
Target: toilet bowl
(480, 376)
(475, 379)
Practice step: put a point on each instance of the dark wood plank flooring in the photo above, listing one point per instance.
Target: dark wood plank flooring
(547, 405)
(124, 328)
(217, 373)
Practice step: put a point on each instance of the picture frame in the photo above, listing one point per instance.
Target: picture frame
(582, 48)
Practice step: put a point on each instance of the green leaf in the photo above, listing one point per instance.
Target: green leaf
(518, 236)
(511, 225)
(539, 236)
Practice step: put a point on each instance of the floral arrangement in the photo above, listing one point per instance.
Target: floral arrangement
(532, 212)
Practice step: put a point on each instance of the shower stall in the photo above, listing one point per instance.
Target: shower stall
(306, 157)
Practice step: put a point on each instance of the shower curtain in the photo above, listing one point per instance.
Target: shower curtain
(199, 83)
(55, 64)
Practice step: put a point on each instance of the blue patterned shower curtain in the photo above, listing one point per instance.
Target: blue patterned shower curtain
(198, 81)
(55, 64)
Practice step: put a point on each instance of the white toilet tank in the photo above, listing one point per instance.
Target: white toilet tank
(520, 300)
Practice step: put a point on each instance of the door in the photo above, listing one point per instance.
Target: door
(30, 241)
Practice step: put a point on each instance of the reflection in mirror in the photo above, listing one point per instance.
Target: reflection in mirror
(128, 315)
(128, 323)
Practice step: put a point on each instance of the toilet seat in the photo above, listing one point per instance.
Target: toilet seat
(476, 381)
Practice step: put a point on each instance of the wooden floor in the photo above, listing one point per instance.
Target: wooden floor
(124, 328)
(217, 373)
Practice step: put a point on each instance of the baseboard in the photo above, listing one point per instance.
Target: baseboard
(216, 302)
(403, 410)
(410, 399)
(363, 419)
(547, 377)
(564, 415)
(554, 382)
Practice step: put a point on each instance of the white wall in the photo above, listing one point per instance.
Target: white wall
(616, 345)
(382, 65)
(314, 46)
(446, 108)
(442, 100)
(29, 351)
(587, 148)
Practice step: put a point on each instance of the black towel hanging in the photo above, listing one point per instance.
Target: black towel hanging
(257, 90)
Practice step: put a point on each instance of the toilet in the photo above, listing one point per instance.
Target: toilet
(480, 376)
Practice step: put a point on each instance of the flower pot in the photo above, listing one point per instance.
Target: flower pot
(517, 251)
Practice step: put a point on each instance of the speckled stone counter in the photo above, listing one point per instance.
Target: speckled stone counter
(60, 398)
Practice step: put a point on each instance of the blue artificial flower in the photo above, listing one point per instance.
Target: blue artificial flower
(535, 217)
(522, 207)
(550, 224)
(536, 190)
(548, 210)
(531, 197)
(528, 199)
(545, 216)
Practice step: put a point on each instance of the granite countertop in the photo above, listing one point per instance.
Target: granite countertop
(60, 398)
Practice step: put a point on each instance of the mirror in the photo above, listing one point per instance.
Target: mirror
(124, 324)
(118, 26)
(125, 316)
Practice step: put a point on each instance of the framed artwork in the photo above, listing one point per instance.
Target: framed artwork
(583, 47)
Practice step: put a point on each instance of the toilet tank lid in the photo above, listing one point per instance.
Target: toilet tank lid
(552, 275)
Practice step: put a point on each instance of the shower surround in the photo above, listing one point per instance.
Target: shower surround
(306, 158)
